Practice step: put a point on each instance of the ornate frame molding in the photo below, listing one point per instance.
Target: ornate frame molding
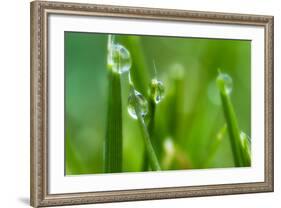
(39, 103)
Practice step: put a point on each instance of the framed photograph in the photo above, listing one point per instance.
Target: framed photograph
(143, 103)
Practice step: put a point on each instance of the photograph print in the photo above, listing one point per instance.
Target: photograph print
(138, 103)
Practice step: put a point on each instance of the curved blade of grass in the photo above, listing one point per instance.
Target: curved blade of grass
(232, 124)
(153, 160)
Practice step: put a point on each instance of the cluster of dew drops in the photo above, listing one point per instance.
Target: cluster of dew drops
(156, 91)
(120, 60)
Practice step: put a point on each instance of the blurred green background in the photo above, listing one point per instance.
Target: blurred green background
(187, 120)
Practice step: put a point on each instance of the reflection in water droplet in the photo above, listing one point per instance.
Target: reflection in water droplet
(227, 80)
(157, 90)
(119, 57)
(137, 99)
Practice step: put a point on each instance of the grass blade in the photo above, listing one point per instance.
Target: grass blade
(178, 102)
(113, 139)
(138, 71)
(213, 147)
(231, 120)
(150, 127)
(153, 160)
(246, 144)
(156, 95)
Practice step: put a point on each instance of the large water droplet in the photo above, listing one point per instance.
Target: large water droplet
(157, 90)
(136, 98)
(119, 58)
(227, 80)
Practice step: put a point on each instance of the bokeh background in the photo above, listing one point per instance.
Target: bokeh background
(187, 120)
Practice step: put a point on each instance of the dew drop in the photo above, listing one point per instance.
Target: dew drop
(245, 138)
(137, 98)
(157, 90)
(246, 144)
(227, 80)
(119, 58)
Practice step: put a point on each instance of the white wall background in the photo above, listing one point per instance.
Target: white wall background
(14, 102)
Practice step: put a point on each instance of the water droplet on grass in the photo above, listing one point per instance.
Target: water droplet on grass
(157, 90)
(245, 138)
(119, 57)
(246, 145)
(224, 80)
(136, 98)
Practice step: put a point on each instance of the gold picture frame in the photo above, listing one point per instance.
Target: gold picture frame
(39, 103)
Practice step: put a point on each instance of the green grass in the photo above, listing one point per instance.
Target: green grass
(114, 135)
(214, 145)
(151, 155)
(150, 129)
(114, 138)
(196, 125)
(239, 155)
